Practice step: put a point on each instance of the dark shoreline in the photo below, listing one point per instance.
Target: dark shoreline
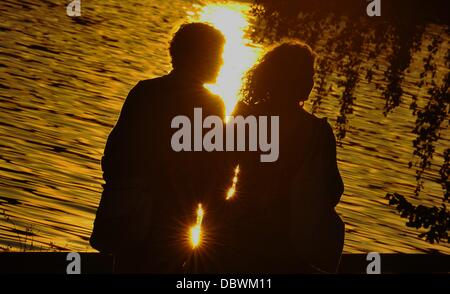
(96, 263)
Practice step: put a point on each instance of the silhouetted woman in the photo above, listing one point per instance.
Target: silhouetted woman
(283, 217)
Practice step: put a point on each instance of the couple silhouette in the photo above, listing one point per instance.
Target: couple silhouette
(282, 218)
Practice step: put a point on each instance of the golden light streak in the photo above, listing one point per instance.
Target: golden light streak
(238, 56)
(196, 230)
(232, 191)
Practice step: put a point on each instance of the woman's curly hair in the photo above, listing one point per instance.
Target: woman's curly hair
(285, 59)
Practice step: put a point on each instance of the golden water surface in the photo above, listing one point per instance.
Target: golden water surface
(63, 82)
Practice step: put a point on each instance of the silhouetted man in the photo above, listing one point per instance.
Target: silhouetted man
(151, 192)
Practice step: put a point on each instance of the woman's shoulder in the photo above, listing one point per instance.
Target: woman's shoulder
(313, 119)
(319, 124)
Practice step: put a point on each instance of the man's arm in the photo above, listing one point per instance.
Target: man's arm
(118, 156)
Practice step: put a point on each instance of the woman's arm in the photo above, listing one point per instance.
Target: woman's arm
(334, 185)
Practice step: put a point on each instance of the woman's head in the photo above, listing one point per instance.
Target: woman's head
(284, 76)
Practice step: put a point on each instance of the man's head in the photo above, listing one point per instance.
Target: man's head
(196, 50)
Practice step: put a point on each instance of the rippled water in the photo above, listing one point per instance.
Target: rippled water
(63, 82)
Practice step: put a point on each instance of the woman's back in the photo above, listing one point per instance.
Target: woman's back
(283, 218)
(260, 214)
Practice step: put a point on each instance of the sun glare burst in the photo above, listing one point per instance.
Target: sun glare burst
(196, 230)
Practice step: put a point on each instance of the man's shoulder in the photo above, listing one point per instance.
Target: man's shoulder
(215, 104)
(152, 83)
(214, 98)
(140, 92)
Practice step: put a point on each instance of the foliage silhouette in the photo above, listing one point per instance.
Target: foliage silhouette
(333, 29)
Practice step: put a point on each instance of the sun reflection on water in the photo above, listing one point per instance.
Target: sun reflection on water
(239, 56)
(239, 53)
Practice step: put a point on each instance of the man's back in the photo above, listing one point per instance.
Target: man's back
(145, 123)
(139, 152)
